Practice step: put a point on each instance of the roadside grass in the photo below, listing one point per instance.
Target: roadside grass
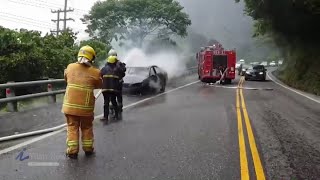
(301, 68)
(308, 82)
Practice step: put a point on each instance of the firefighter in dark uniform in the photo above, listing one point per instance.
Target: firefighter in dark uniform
(122, 72)
(122, 67)
(111, 75)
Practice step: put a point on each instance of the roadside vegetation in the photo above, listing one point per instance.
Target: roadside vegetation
(292, 26)
(25, 55)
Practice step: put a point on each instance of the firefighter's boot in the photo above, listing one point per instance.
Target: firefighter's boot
(72, 156)
(105, 114)
(90, 153)
(111, 110)
(120, 111)
(116, 114)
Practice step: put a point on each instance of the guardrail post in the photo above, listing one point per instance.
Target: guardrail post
(52, 98)
(13, 105)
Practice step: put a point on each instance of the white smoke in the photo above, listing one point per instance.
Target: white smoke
(155, 85)
(171, 62)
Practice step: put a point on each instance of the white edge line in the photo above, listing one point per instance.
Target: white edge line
(291, 89)
(43, 164)
(29, 142)
(96, 117)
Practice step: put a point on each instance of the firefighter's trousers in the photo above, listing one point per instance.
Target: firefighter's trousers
(110, 96)
(119, 99)
(84, 123)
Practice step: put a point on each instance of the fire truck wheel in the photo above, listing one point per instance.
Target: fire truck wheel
(228, 81)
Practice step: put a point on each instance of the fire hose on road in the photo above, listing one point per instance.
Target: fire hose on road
(42, 131)
(222, 76)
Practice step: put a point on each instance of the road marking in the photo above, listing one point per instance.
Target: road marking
(291, 89)
(242, 146)
(254, 150)
(43, 164)
(96, 117)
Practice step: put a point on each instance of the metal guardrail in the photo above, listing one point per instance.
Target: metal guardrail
(12, 100)
(30, 83)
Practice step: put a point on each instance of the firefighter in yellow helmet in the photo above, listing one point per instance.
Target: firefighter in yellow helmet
(122, 67)
(78, 104)
(111, 75)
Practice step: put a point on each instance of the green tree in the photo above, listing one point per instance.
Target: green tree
(293, 25)
(25, 55)
(58, 53)
(136, 19)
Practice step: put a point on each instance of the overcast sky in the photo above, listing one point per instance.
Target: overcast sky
(219, 19)
(223, 19)
(36, 14)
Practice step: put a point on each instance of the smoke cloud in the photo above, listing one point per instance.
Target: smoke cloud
(225, 21)
(171, 62)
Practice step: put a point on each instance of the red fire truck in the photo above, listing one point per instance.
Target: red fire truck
(215, 63)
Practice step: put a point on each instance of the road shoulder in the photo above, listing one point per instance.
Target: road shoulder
(310, 96)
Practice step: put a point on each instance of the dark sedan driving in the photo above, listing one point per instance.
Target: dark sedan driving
(256, 72)
(142, 80)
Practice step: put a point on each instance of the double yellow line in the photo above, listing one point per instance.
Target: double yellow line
(242, 145)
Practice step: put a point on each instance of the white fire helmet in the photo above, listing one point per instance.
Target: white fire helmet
(112, 52)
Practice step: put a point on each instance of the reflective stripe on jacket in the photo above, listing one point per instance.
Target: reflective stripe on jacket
(79, 98)
(111, 77)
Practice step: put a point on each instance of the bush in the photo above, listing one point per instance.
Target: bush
(27, 56)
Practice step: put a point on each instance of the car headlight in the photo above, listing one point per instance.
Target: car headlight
(260, 72)
(243, 69)
(247, 72)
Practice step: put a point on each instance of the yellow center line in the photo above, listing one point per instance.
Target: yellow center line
(254, 150)
(242, 146)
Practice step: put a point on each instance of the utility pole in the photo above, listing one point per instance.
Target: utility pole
(57, 31)
(57, 20)
(65, 14)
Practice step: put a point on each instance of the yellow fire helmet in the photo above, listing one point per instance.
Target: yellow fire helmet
(112, 59)
(87, 52)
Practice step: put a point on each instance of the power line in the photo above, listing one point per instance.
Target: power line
(23, 22)
(33, 4)
(41, 5)
(60, 5)
(77, 12)
(25, 18)
(47, 2)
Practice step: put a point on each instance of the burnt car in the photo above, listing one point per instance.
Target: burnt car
(143, 80)
(256, 72)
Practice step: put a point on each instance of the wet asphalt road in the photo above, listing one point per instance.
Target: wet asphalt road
(190, 133)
